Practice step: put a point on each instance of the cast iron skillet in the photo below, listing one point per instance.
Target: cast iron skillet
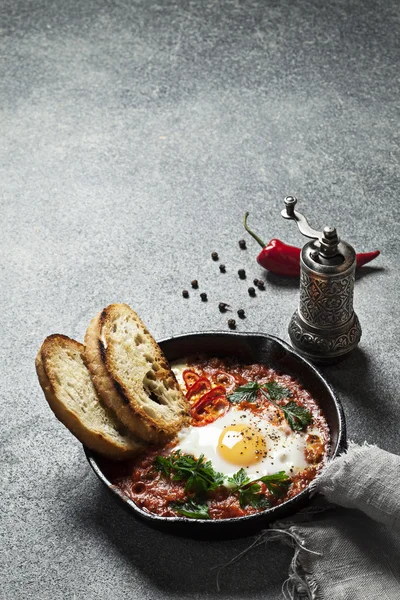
(249, 348)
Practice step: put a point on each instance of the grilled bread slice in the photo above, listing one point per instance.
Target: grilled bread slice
(132, 375)
(69, 390)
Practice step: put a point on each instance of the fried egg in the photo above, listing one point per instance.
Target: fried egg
(240, 439)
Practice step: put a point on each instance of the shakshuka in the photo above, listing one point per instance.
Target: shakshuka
(255, 439)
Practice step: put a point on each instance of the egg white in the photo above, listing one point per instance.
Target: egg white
(285, 449)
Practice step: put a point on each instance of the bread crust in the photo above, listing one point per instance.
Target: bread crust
(150, 422)
(94, 439)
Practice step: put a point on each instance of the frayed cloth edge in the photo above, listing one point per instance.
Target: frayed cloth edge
(299, 584)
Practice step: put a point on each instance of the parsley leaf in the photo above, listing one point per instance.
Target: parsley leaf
(240, 478)
(246, 392)
(252, 495)
(199, 474)
(249, 491)
(276, 391)
(201, 478)
(297, 416)
(277, 483)
(163, 465)
(191, 509)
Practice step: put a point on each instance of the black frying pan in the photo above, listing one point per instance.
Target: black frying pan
(249, 348)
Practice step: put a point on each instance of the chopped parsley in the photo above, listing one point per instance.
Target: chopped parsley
(277, 483)
(276, 391)
(201, 478)
(191, 509)
(250, 491)
(199, 474)
(246, 392)
(252, 495)
(297, 416)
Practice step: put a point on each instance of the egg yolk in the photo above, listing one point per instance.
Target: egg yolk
(241, 445)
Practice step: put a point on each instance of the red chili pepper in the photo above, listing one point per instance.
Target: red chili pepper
(200, 386)
(190, 377)
(282, 259)
(363, 258)
(211, 413)
(227, 380)
(215, 397)
(209, 397)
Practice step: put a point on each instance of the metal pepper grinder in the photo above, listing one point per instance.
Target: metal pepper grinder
(325, 327)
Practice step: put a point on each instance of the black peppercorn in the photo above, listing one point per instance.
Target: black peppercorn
(203, 296)
(241, 314)
(261, 285)
(252, 291)
(232, 324)
(222, 268)
(214, 255)
(223, 307)
(185, 294)
(242, 274)
(256, 282)
(242, 244)
(195, 284)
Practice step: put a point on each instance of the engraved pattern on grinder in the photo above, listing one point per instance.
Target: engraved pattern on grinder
(324, 327)
(324, 302)
(311, 341)
(308, 340)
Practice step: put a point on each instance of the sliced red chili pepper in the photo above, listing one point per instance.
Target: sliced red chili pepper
(212, 412)
(190, 377)
(208, 398)
(201, 386)
(210, 407)
(225, 379)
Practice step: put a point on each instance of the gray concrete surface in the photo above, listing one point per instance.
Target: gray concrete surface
(134, 135)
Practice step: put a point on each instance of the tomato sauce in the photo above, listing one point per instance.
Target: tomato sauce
(154, 492)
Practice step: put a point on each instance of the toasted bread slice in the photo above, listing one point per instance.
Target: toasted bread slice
(132, 375)
(69, 390)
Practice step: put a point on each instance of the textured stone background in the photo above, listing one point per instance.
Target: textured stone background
(134, 135)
